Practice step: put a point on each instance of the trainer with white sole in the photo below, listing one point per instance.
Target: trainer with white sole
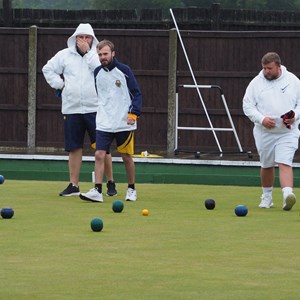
(119, 106)
(92, 195)
(272, 103)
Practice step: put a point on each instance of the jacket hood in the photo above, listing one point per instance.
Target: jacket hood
(82, 29)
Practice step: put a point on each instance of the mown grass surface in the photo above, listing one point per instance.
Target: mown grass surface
(180, 251)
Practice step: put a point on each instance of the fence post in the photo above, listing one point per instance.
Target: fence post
(215, 16)
(172, 91)
(32, 69)
(7, 13)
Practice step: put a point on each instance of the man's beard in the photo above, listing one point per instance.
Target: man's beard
(105, 62)
(273, 77)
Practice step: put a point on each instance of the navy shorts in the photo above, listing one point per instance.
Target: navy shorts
(124, 140)
(75, 127)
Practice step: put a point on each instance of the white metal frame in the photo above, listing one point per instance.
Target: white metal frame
(198, 87)
(211, 128)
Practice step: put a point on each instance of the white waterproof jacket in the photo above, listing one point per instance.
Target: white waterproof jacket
(74, 75)
(273, 98)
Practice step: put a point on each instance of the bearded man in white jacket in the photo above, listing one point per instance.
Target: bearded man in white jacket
(272, 103)
(71, 73)
(119, 106)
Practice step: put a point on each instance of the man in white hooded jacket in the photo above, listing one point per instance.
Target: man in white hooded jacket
(71, 73)
(272, 103)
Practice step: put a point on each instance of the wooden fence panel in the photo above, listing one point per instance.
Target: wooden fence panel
(189, 18)
(230, 60)
(227, 59)
(13, 87)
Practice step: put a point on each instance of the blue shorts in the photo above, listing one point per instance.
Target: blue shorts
(75, 126)
(124, 140)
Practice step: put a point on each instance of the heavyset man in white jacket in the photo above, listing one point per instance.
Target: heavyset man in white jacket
(71, 73)
(272, 103)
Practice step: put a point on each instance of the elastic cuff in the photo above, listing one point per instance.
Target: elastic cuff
(132, 116)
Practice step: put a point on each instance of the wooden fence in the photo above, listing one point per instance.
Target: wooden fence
(30, 115)
(190, 18)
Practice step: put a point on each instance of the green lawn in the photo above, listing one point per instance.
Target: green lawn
(180, 251)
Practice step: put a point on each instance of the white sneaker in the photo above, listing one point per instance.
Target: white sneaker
(289, 201)
(92, 195)
(266, 201)
(131, 195)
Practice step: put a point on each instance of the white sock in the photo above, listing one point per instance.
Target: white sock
(267, 190)
(286, 191)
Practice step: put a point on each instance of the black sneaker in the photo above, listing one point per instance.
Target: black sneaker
(71, 190)
(111, 188)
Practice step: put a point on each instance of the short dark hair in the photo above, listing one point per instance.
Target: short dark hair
(104, 43)
(271, 57)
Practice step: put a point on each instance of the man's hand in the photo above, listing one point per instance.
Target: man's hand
(130, 121)
(268, 122)
(82, 45)
(58, 93)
